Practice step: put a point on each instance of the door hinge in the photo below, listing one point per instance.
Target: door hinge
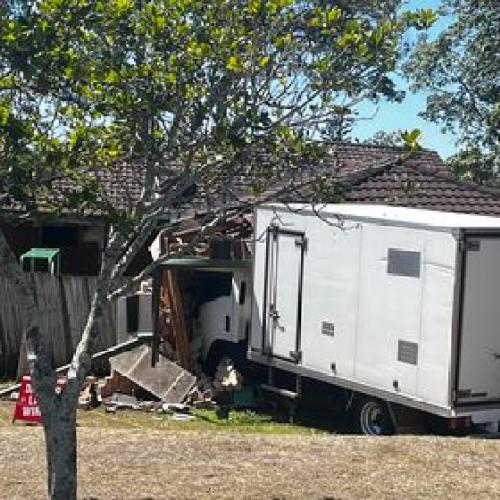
(274, 314)
(301, 242)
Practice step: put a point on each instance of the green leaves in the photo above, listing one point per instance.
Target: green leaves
(333, 15)
(112, 76)
(460, 69)
(4, 114)
(122, 5)
(134, 80)
(235, 64)
(411, 138)
(264, 61)
(274, 6)
(421, 18)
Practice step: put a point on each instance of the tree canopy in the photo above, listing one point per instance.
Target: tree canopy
(86, 82)
(460, 68)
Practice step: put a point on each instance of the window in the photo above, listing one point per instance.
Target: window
(59, 236)
(211, 285)
(403, 263)
(243, 292)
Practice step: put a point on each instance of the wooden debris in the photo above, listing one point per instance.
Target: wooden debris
(178, 332)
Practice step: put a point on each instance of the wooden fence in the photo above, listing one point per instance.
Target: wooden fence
(64, 302)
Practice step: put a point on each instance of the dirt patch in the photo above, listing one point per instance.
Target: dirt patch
(138, 463)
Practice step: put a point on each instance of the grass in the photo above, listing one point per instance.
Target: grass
(147, 463)
(207, 420)
(242, 421)
(145, 455)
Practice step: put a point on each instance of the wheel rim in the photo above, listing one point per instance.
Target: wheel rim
(371, 419)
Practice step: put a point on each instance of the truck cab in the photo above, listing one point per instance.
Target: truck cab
(224, 321)
(213, 298)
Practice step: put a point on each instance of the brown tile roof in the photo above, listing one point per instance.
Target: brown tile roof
(118, 185)
(370, 174)
(417, 186)
(341, 160)
(353, 157)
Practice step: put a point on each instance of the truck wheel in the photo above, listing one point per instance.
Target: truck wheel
(372, 417)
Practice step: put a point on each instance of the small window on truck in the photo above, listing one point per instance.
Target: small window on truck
(403, 263)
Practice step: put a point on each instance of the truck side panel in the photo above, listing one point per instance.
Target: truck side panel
(406, 299)
(330, 297)
(377, 303)
(435, 356)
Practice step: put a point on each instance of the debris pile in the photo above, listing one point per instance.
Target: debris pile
(165, 388)
(227, 378)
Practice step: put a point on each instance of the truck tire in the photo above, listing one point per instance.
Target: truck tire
(372, 417)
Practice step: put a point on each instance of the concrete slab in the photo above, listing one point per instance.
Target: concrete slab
(166, 380)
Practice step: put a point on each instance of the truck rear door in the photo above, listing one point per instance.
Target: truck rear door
(479, 341)
(284, 292)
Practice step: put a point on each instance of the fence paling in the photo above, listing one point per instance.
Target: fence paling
(64, 302)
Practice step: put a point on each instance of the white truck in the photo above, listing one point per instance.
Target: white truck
(398, 307)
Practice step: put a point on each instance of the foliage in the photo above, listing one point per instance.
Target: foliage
(86, 82)
(339, 127)
(476, 164)
(397, 138)
(384, 138)
(460, 68)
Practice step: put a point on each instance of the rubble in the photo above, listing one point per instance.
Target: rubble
(117, 383)
(182, 417)
(227, 378)
(148, 406)
(165, 388)
(122, 401)
(89, 397)
(175, 408)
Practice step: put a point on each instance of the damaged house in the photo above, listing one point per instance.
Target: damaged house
(189, 293)
(63, 248)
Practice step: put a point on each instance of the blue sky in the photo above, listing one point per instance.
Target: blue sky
(393, 116)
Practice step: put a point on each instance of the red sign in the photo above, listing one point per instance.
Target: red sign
(27, 408)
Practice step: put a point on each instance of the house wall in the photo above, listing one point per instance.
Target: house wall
(80, 245)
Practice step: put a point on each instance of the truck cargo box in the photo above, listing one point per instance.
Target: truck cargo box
(398, 303)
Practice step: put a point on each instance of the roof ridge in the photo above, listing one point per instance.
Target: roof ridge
(363, 173)
(451, 176)
(378, 146)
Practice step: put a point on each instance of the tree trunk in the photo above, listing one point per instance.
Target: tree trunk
(60, 441)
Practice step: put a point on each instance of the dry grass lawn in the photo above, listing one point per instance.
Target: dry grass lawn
(136, 462)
